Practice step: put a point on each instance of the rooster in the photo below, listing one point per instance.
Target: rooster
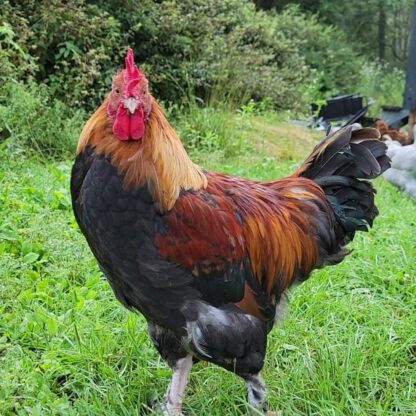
(207, 257)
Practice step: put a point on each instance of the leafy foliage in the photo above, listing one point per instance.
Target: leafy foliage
(225, 50)
(214, 130)
(74, 44)
(193, 51)
(375, 28)
(15, 60)
(34, 121)
(382, 83)
(221, 51)
(336, 66)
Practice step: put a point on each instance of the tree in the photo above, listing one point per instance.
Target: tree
(382, 22)
(376, 28)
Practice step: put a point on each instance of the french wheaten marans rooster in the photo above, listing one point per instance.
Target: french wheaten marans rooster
(207, 257)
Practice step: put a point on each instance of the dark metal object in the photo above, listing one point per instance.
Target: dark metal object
(339, 108)
(394, 116)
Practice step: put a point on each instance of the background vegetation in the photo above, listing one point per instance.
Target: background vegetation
(377, 28)
(57, 58)
(229, 74)
(203, 48)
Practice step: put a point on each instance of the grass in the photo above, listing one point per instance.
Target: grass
(67, 347)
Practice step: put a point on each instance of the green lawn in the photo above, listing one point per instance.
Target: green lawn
(348, 346)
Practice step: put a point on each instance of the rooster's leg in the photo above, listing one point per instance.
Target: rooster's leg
(256, 392)
(176, 390)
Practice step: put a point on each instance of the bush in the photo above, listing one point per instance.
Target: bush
(76, 46)
(225, 50)
(334, 66)
(258, 62)
(34, 121)
(382, 83)
(215, 50)
(211, 130)
(15, 61)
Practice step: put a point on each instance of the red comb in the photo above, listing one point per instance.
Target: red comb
(132, 74)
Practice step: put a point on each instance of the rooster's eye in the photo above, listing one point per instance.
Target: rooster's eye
(117, 91)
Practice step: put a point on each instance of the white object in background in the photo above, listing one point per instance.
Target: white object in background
(403, 166)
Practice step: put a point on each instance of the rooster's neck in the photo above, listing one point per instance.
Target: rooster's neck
(158, 160)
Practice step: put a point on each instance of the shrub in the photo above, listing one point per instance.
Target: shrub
(382, 83)
(34, 121)
(15, 61)
(228, 51)
(205, 47)
(334, 66)
(258, 63)
(77, 46)
(211, 130)
(216, 50)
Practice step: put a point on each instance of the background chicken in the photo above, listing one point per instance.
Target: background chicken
(207, 257)
(403, 166)
(404, 138)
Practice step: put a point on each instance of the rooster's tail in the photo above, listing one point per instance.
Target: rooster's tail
(341, 165)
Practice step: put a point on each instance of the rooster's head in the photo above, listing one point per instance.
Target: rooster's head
(129, 102)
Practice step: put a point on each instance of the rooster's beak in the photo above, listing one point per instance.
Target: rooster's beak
(131, 104)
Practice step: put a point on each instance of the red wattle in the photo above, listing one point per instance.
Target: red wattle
(121, 126)
(137, 124)
(128, 126)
